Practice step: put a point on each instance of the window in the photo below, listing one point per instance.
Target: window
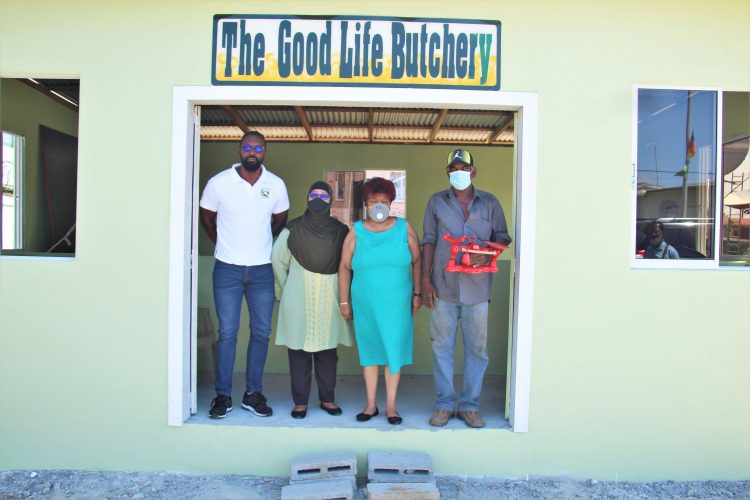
(735, 222)
(40, 166)
(675, 178)
(12, 155)
(347, 199)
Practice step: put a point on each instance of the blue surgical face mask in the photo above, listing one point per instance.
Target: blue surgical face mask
(379, 212)
(460, 179)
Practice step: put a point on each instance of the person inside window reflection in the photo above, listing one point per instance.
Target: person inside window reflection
(305, 261)
(657, 248)
(384, 254)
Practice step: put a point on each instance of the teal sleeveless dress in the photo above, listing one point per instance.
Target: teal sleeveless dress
(381, 296)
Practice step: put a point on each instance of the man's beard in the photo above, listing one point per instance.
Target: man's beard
(249, 166)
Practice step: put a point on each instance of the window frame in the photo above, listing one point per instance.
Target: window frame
(18, 173)
(714, 262)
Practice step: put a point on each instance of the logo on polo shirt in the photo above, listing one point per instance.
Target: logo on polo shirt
(265, 193)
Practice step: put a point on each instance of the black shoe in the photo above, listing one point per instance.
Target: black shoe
(220, 406)
(335, 411)
(395, 420)
(256, 403)
(299, 413)
(364, 417)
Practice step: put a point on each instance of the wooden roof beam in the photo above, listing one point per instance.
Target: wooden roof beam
(236, 118)
(504, 122)
(438, 123)
(304, 121)
(370, 121)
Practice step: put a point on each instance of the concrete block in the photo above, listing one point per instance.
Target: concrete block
(325, 489)
(323, 465)
(351, 479)
(399, 467)
(402, 491)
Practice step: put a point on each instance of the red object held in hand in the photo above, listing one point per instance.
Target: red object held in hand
(493, 249)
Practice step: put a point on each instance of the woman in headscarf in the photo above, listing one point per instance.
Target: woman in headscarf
(305, 260)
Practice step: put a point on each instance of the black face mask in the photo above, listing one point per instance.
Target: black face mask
(317, 206)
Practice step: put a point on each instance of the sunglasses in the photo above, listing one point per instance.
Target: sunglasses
(322, 196)
(258, 149)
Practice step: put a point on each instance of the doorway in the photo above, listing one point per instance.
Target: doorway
(184, 199)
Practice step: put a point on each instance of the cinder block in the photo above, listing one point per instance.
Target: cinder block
(399, 467)
(323, 465)
(351, 479)
(325, 489)
(402, 491)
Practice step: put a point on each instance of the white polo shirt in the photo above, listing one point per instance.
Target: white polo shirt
(243, 220)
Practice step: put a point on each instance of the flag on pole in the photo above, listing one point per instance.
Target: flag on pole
(689, 153)
(691, 146)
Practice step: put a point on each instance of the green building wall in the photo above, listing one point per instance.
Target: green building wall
(636, 374)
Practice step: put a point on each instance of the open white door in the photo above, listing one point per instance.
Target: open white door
(183, 253)
(194, 262)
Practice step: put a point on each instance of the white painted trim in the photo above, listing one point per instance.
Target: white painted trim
(693, 264)
(181, 142)
(525, 103)
(525, 229)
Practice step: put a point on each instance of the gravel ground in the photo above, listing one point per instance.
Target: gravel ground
(170, 485)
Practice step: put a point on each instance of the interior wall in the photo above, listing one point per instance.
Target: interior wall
(22, 111)
(736, 115)
(302, 164)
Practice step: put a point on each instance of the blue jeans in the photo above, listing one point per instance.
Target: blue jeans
(444, 320)
(231, 283)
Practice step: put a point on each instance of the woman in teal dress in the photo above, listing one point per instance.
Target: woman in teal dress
(383, 253)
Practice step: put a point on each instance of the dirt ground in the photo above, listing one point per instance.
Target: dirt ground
(170, 485)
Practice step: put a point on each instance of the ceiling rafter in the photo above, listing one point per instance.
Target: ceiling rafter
(370, 120)
(304, 121)
(437, 124)
(58, 93)
(504, 122)
(236, 118)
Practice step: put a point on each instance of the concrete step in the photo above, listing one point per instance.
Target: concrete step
(324, 489)
(399, 467)
(402, 491)
(323, 465)
(351, 479)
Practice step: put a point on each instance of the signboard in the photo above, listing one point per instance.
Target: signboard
(364, 51)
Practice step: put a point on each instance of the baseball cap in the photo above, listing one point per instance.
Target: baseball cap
(460, 155)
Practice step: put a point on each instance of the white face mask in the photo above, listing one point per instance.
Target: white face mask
(460, 179)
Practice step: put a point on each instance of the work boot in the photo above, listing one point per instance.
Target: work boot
(440, 417)
(471, 418)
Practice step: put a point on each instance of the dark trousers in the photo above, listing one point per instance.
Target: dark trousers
(300, 370)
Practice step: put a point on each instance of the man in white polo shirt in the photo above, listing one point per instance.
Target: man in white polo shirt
(242, 209)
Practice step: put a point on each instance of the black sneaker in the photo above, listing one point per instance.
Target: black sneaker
(220, 406)
(256, 403)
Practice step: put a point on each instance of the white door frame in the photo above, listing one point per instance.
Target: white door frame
(183, 198)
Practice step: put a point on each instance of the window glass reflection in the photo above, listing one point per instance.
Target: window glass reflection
(676, 180)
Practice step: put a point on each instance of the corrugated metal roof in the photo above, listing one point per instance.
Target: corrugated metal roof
(327, 124)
